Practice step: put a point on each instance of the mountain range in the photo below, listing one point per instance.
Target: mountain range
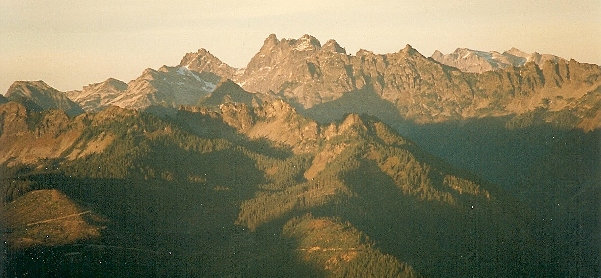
(469, 60)
(421, 89)
(309, 162)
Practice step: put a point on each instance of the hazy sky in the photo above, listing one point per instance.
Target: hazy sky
(70, 44)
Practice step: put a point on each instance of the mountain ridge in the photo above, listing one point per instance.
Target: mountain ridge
(422, 89)
(306, 74)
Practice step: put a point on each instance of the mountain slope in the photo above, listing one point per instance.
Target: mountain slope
(366, 174)
(169, 86)
(98, 96)
(150, 170)
(347, 252)
(47, 218)
(28, 137)
(228, 91)
(359, 168)
(165, 87)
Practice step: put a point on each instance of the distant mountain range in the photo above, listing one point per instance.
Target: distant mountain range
(476, 61)
(310, 76)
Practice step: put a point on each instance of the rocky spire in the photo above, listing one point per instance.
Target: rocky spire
(204, 61)
(333, 46)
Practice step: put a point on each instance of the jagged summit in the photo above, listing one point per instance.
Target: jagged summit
(364, 52)
(437, 54)
(409, 50)
(204, 61)
(304, 43)
(191, 56)
(272, 39)
(333, 46)
(307, 42)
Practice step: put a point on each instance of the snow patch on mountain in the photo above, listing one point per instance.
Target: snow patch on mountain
(208, 86)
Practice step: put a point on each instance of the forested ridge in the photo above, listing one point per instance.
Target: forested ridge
(364, 201)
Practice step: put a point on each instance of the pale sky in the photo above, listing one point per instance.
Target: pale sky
(72, 43)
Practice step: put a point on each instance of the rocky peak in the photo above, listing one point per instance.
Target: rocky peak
(305, 43)
(302, 44)
(278, 62)
(333, 46)
(460, 50)
(364, 53)
(147, 74)
(203, 61)
(271, 40)
(469, 60)
(114, 83)
(200, 54)
(351, 125)
(27, 88)
(164, 68)
(167, 87)
(516, 52)
(409, 50)
(437, 55)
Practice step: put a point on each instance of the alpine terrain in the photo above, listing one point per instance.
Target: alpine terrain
(308, 162)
